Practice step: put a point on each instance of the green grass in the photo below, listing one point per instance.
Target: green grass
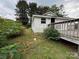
(41, 48)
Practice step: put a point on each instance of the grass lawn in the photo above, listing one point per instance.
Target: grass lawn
(41, 48)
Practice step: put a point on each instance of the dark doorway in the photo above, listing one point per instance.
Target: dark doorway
(52, 20)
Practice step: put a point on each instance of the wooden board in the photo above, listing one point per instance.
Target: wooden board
(71, 40)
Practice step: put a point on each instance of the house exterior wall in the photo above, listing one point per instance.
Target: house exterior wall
(60, 20)
(37, 26)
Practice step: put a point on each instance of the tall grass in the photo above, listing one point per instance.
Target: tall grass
(8, 28)
(10, 52)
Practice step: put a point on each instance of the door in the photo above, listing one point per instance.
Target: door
(52, 20)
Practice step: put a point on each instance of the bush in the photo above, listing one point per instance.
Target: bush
(10, 52)
(51, 33)
(8, 28)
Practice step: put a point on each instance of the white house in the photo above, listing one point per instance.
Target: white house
(40, 22)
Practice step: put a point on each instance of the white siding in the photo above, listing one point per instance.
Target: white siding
(60, 20)
(37, 26)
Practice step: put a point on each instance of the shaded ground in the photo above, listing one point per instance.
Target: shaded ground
(69, 45)
(34, 46)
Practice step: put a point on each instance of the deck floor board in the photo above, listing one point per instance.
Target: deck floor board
(70, 40)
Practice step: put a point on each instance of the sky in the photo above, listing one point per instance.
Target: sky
(71, 7)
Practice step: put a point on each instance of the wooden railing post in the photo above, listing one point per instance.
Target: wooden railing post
(70, 30)
(67, 29)
(78, 31)
(78, 51)
(78, 38)
(64, 28)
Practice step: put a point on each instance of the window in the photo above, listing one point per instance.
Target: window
(43, 20)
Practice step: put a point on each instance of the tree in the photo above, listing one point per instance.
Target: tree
(45, 9)
(42, 9)
(21, 11)
(32, 9)
(62, 12)
(57, 10)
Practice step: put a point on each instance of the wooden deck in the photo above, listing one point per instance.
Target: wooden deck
(69, 31)
(70, 40)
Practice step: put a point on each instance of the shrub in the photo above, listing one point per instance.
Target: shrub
(10, 52)
(51, 33)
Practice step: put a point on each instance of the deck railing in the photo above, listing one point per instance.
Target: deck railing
(68, 28)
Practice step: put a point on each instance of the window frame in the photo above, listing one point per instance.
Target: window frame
(43, 20)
